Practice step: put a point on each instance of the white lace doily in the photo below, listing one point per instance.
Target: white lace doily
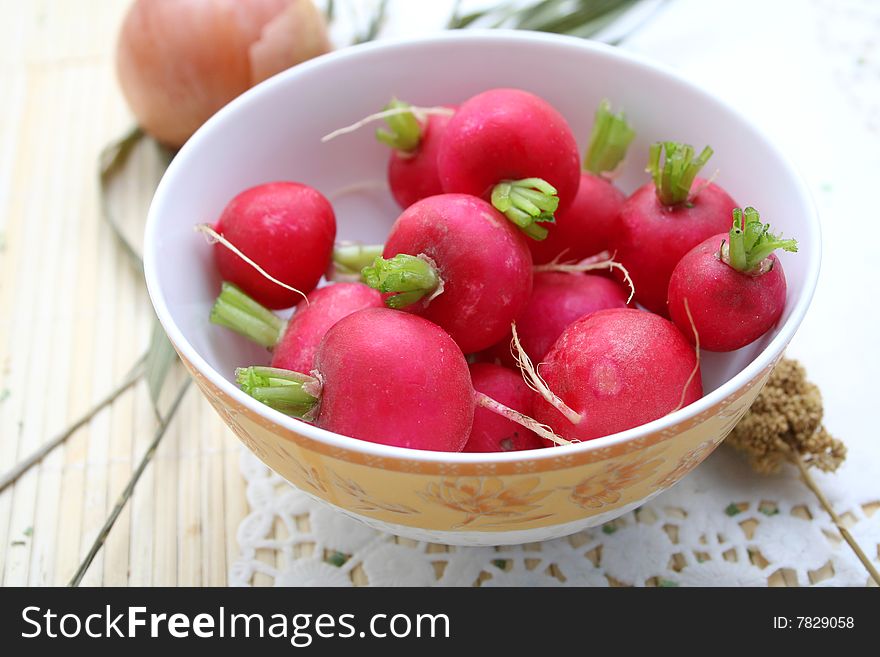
(723, 524)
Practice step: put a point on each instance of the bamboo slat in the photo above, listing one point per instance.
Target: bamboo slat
(74, 318)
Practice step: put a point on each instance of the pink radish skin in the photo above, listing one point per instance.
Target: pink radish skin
(508, 134)
(293, 343)
(288, 229)
(482, 258)
(414, 176)
(587, 226)
(492, 432)
(557, 300)
(310, 323)
(618, 369)
(397, 379)
(732, 284)
(730, 309)
(392, 378)
(652, 237)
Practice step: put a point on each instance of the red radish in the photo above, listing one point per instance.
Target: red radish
(514, 148)
(383, 376)
(455, 260)
(617, 369)
(733, 284)
(386, 377)
(412, 167)
(666, 218)
(287, 229)
(295, 342)
(588, 225)
(492, 432)
(557, 300)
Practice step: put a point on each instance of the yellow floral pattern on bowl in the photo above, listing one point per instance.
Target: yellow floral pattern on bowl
(485, 496)
(488, 498)
(606, 487)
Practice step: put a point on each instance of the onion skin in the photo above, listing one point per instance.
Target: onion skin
(179, 61)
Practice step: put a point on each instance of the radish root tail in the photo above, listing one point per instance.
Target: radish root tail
(421, 113)
(602, 260)
(515, 416)
(216, 238)
(687, 385)
(536, 382)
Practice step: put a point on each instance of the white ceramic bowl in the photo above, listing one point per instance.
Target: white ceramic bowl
(273, 132)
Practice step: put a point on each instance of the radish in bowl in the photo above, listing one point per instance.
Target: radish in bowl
(521, 495)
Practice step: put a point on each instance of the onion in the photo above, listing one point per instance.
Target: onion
(179, 61)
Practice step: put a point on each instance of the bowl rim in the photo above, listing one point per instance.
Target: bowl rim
(811, 235)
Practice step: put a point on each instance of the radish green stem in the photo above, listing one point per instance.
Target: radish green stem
(350, 259)
(409, 278)
(419, 112)
(610, 138)
(526, 203)
(751, 242)
(237, 311)
(405, 131)
(674, 177)
(290, 392)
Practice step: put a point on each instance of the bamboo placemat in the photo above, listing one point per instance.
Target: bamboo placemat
(75, 318)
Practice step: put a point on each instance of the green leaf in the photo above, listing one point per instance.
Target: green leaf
(112, 161)
(374, 27)
(732, 509)
(160, 357)
(587, 19)
(459, 22)
(583, 18)
(337, 559)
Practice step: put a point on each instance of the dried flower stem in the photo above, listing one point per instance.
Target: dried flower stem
(129, 488)
(785, 424)
(844, 532)
(18, 470)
